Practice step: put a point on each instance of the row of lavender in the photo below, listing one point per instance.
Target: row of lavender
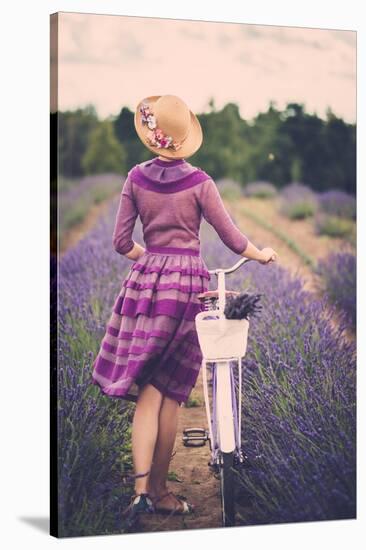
(77, 196)
(94, 430)
(334, 215)
(337, 278)
(299, 410)
(333, 211)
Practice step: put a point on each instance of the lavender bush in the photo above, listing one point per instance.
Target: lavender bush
(297, 201)
(338, 280)
(335, 226)
(94, 430)
(338, 203)
(260, 190)
(299, 427)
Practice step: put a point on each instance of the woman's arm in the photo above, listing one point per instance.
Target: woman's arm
(214, 211)
(124, 225)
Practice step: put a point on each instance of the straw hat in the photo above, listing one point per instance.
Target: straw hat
(167, 126)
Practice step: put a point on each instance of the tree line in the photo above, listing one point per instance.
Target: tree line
(276, 146)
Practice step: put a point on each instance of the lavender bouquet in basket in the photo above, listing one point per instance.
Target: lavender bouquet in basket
(242, 306)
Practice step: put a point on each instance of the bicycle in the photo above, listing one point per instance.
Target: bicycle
(222, 341)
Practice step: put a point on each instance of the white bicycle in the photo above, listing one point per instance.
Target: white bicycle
(223, 343)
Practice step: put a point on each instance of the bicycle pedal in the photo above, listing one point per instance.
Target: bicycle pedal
(195, 437)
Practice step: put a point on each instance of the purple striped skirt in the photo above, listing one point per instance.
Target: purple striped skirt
(151, 336)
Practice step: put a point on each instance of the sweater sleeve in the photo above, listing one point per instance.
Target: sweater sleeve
(125, 219)
(214, 211)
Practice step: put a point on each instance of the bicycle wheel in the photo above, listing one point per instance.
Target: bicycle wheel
(227, 487)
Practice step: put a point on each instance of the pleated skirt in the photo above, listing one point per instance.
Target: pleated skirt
(150, 336)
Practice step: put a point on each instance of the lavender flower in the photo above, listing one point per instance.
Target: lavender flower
(243, 306)
(297, 201)
(338, 280)
(260, 189)
(338, 203)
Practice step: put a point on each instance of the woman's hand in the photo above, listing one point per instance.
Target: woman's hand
(136, 252)
(264, 256)
(267, 255)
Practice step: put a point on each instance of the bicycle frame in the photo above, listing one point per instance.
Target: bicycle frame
(224, 405)
(223, 341)
(225, 422)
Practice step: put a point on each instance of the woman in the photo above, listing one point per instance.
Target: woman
(150, 352)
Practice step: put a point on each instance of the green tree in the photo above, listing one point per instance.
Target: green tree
(224, 146)
(125, 131)
(266, 148)
(104, 152)
(73, 132)
(278, 146)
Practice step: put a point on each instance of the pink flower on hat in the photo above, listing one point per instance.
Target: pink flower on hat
(159, 134)
(155, 136)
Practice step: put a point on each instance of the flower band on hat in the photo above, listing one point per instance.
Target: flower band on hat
(155, 136)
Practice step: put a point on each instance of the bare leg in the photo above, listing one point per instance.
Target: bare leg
(144, 433)
(168, 423)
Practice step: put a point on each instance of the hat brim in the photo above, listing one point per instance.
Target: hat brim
(190, 145)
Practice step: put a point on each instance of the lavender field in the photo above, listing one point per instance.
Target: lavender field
(78, 195)
(299, 411)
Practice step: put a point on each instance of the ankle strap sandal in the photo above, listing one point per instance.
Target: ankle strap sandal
(186, 508)
(133, 476)
(139, 503)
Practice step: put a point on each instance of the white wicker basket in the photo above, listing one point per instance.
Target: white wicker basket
(221, 338)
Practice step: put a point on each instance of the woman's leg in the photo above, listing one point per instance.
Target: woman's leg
(144, 433)
(168, 424)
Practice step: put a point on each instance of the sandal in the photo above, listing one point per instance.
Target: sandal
(139, 503)
(187, 508)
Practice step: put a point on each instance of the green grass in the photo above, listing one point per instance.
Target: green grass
(173, 476)
(193, 402)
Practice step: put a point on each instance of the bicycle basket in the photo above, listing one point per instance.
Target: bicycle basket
(221, 338)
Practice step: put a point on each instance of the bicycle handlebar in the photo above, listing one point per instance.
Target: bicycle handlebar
(230, 269)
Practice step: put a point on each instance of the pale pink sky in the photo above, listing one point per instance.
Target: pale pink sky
(114, 61)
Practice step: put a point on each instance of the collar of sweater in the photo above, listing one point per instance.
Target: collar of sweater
(161, 171)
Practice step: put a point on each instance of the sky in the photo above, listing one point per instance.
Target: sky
(114, 61)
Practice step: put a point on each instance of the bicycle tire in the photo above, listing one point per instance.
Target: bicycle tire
(227, 489)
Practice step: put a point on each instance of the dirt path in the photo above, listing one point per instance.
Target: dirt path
(261, 237)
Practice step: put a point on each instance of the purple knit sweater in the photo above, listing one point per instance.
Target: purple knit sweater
(171, 197)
